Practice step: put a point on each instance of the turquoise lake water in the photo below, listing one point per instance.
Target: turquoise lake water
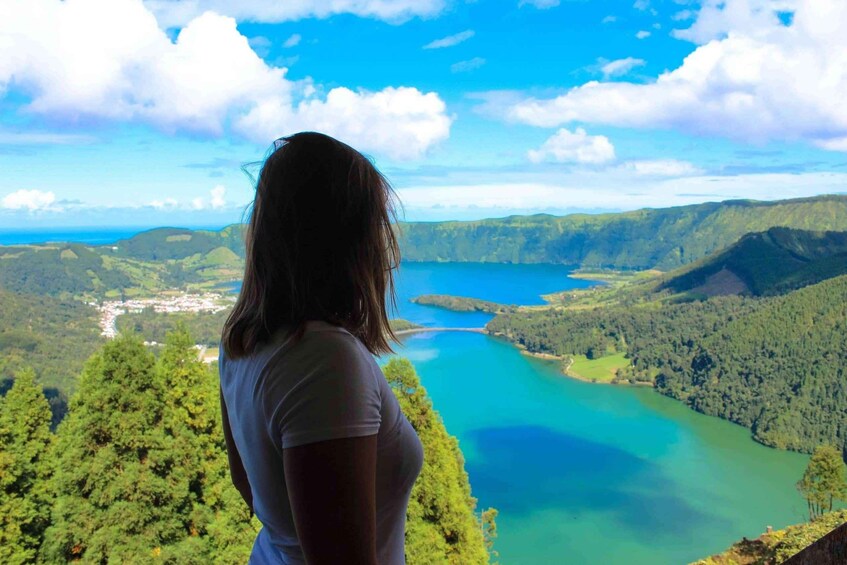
(585, 473)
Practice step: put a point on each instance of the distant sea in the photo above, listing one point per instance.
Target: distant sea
(88, 235)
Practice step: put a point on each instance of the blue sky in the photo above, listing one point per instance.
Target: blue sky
(122, 112)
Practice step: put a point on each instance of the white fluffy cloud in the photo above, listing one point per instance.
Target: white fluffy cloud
(574, 147)
(717, 19)
(176, 13)
(216, 201)
(400, 122)
(110, 60)
(756, 79)
(217, 197)
(30, 200)
(620, 67)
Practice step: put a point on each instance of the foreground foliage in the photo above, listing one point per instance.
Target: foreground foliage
(140, 463)
(25, 441)
(776, 547)
(137, 472)
(441, 525)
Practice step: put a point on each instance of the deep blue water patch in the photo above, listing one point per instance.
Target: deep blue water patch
(534, 468)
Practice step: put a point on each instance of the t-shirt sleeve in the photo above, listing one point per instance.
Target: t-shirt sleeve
(336, 397)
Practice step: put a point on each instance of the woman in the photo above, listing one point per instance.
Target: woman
(317, 444)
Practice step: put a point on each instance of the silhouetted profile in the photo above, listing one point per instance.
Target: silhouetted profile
(318, 446)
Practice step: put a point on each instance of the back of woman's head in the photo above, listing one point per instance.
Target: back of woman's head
(320, 246)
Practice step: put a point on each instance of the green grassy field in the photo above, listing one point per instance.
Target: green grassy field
(600, 370)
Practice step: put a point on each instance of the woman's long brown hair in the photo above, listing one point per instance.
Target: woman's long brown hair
(320, 245)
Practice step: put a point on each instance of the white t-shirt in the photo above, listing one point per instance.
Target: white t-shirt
(326, 386)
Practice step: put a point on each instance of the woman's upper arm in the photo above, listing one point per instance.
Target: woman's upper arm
(331, 488)
(236, 466)
(328, 425)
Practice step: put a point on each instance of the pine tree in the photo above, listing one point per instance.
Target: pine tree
(141, 469)
(121, 485)
(823, 481)
(441, 526)
(25, 441)
(219, 522)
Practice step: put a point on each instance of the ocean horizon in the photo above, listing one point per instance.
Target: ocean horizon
(93, 235)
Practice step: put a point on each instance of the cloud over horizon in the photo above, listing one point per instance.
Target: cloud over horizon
(753, 78)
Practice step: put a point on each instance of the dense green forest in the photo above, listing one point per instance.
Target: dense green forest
(205, 327)
(779, 370)
(51, 336)
(137, 471)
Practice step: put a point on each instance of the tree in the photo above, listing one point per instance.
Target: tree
(489, 531)
(122, 488)
(441, 526)
(218, 517)
(823, 481)
(141, 469)
(25, 441)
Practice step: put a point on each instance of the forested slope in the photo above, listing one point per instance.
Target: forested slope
(663, 238)
(52, 336)
(780, 370)
(768, 263)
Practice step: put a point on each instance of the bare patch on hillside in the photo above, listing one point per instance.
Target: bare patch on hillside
(722, 283)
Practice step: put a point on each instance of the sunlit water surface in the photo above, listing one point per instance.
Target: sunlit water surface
(584, 473)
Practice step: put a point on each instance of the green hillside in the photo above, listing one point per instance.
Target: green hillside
(767, 263)
(72, 269)
(780, 370)
(51, 336)
(775, 365)
(169, 258)
(178, 243)
(663, 238)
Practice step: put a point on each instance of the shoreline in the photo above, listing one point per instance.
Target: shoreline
(565, 370)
